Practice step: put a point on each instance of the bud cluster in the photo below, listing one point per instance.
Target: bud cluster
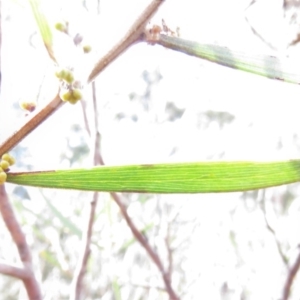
(69, 92)
(6, 161)
(70, 85)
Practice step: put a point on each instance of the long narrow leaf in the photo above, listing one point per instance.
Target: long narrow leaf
(201, 177)
(43, 26)
(267, 66)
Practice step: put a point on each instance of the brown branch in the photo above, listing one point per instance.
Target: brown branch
(131, 37)
(35, 120)
(26, 273)
(290, 278)
(13, 271)
(14, 228)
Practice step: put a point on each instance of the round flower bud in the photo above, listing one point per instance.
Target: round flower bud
(76, 93)
(3, 177)
(60, 27)
(60, 74)
(7, 157)
(87, 48)
(4, 165)
(65, 95)
(68, 77)
(76, 96)
(73, 101)
(29, 106)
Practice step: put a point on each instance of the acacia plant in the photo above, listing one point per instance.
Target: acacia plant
(166, 178)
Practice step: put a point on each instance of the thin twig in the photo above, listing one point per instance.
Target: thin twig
(131, 37)
(97, 139)
(290, 278)
(170, 254)
(143, 241)
(270, 228)
(254, 31)
(86, 241)
(35, 120)
(14, 228)
(85, 118)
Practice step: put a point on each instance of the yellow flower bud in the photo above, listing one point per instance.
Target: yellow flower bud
(68, 77)
(7, 157)
(73, 101)
(29, 106)
(60, 27)
(71, 95)
(60, 73)
(77, 94)
(3, 177)
(4, 165)
(65, 95)
(87, 48)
